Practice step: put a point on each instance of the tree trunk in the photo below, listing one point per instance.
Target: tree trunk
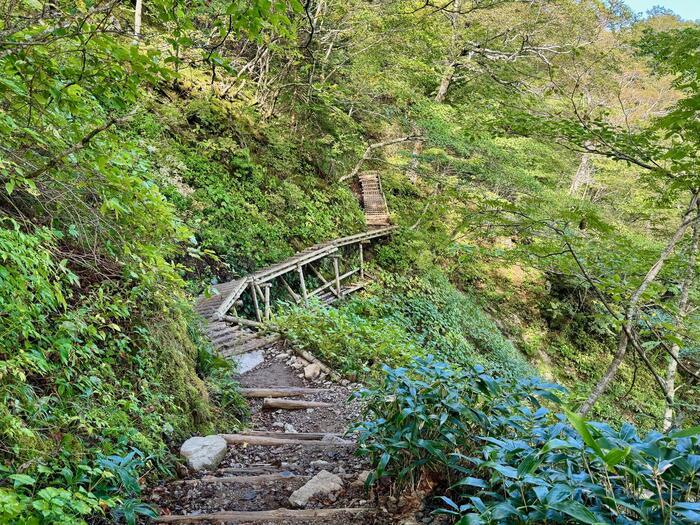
(632, 308)
(683, 309)
(137, 20)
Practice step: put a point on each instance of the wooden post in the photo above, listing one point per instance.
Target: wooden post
(323, 279)
(362, 261)
(304, 296)
(266, 289)
(258, 316)
(291, 292)
(336, 269)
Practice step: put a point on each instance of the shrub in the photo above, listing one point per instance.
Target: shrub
(500, 456)
(352, 343)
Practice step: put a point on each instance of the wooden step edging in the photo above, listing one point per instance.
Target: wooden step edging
(308, 436)
(274, 403)
(240, 439)
(248, 480)
(281, 391)
(261, 515)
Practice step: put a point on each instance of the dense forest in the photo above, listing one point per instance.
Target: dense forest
(531, 340)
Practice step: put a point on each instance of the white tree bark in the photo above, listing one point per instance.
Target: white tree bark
(137, 20)
(683, 309)
(632, 308)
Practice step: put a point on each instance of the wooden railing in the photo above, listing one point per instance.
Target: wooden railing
(228, 300)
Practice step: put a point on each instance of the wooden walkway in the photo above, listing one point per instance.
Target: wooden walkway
(373, 201)
(235, 309)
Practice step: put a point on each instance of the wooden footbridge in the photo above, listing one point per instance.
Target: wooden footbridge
(235, 309)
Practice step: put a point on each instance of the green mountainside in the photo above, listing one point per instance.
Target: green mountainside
(539, 158)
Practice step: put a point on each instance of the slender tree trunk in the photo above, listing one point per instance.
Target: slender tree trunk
(632, 308)
(683, 309)
(137, 20)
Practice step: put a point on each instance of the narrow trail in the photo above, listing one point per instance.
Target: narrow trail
(254, 482)
(297, 463)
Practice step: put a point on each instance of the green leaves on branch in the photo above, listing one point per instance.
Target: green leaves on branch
(499, 456)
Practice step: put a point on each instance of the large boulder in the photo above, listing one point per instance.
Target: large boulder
(322, 483)
(204, 453)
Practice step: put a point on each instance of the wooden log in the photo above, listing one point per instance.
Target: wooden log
(330, 284)
(267, 300)
(310, 357)
(271, 403)
(258, 479)
(242, 516)
(291, 292)
(336, 270)
(320, 276)
(280, 391)
(240, 439)
(243, 321)
(253, 291)
(308, 436)
(304, 295)
(362, 260)
(259, 469)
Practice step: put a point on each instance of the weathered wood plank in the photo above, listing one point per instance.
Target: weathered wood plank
(272, 403)
(280, 391)
(262, 515)
(239, 439)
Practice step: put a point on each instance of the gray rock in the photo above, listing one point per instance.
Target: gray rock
(204, 453)
(246, 362)
(332, 438)
(312, 371)
(289, 429)
(322, 483)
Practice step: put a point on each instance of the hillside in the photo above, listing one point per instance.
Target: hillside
(539, 160)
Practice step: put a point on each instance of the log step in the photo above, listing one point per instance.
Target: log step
(271, 403)
(309, 436)
(239, 439)
(247, 480)
(262, 515)
(280, 391)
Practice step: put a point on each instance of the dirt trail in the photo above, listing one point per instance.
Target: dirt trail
(255, 478)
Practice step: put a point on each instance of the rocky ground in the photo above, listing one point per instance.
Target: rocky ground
(295, 481)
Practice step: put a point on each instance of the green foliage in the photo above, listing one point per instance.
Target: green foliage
(403, 317)
(501, 456)
(353, 343)
(82, 376)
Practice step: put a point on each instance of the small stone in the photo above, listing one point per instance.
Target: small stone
(362, 476)
(249, 494)
(319, 463)
(322, 483)
(204, 453)
(332, 438)
(278, 424)
(312, 371)
(344, 382)
(289, 429)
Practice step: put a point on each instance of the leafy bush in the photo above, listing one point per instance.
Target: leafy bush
(351, 342)
(501, 456)
(87, 376)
